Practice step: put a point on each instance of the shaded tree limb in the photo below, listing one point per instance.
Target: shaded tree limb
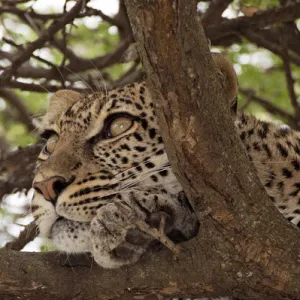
(23, 14)
(214, 12)
(260, 19)
(260, 40)
(52, 276)
(269, 106)
(124, 30)
(14, 1)
(26, 70)
(75, 66)
(41, 88)
(289, 32)
(290, 87)
(289, 36)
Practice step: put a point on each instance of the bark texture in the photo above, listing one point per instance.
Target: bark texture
(244, 247)
(206, 153)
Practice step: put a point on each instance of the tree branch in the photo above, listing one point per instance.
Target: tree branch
(290, 86)
(10, 2)
(228, 30)
(41, 88)
(23, 14)
(260, 19)
(52, 276)
(260, 40)
(76, 65)
(47, 35)
(214, 12)
(269, 106)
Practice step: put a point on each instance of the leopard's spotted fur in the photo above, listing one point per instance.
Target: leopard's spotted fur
(275, 153)
(111, 182)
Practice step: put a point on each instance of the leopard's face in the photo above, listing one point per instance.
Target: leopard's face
(99, 147)
(104, 168)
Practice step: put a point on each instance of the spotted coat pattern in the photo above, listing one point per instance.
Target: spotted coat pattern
(112, 181)
(275, 153)
(115, 181)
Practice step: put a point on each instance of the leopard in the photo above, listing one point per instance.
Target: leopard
(104, 168)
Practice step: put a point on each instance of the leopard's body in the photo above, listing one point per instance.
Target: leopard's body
(275, 153)
(110, 182)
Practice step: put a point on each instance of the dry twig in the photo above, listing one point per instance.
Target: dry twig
(290, 86)
(160, 235)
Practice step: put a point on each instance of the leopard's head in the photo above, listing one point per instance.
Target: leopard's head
(98, 146)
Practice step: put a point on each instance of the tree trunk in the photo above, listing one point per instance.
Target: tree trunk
(208, 157)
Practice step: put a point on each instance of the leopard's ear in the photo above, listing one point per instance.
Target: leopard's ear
(58, 104)
(228, 79)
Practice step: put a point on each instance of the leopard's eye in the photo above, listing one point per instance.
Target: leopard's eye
(50, 145)
(119, 126)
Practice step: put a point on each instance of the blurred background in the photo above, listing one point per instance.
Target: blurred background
(95, 51)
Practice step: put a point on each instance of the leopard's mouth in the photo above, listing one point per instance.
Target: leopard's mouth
(81, 208)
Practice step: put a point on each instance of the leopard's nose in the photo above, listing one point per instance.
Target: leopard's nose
(51, 188)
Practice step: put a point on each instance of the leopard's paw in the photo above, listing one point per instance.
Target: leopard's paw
(115, 239)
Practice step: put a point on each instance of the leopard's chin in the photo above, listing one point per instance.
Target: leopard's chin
(71, 236)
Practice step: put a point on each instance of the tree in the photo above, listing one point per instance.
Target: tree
(230, 256)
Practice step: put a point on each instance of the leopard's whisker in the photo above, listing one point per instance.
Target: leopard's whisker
(143, 177)
(141, 164)
(275, 162)
(77, 74)
(101, 76)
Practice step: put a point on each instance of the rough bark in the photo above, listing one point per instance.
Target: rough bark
(244, 248)
(205, 152)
